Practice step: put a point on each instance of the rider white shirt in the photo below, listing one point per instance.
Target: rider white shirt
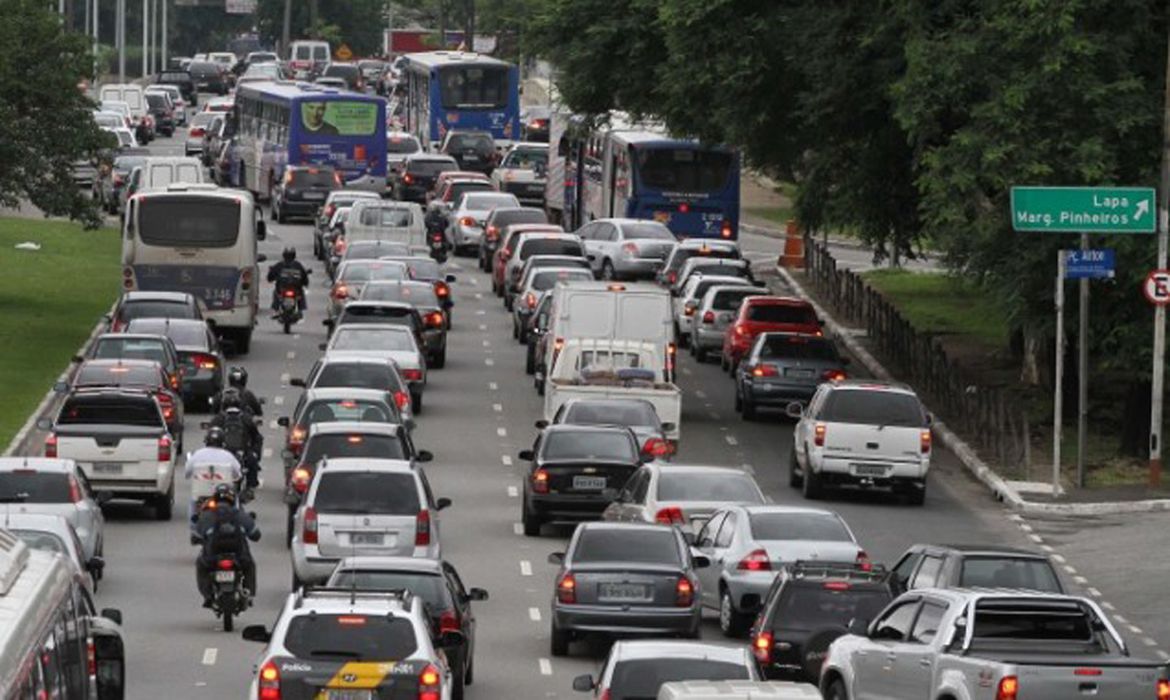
(209, 467)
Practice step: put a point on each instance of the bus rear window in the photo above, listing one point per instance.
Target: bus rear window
(189, 222)
(475, 87)
(683, 169)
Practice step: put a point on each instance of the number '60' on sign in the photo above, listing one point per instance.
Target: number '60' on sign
(1157, 287)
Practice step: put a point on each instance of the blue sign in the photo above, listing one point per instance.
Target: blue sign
(1089, 264)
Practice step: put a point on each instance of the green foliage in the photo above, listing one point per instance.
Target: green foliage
(357, 23)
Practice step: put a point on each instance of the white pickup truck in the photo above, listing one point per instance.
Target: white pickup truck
(978, 644)
(601, 368)
(861, 433)
(119, 438)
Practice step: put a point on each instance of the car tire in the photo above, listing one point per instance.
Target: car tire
(457, 681)
(836, 690)
(738, 400)
(916, 494)
(164, 505)
(439, 361)
(281, 217)
(290, 524)
(530, 360)
(722, 362)
(811, 486)
(732, 623)
(243, 342)
(530, 522)
(508, 302)
(469, 675)
(700, 353)
(607, 271)
(748, 409)
(297, 583)
(795, 479)
(559, 641)
(515, 329)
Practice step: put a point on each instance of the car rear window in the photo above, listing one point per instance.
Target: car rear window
(479, 141)
(310, 177)
(117, 375)
(819, 604)
(431, 167)
(629, 414)
(485, 200)
(188, 335)
(730, 300)
(368, 339)
(43, 541)
(815, 527)
(352, 445)
(402, 144)
(526, 215)
(589, 444)
(549, 246)
(108, 348)
(700, 486)
(782, 313)
(1026, 620)
(458, 189)
(422, 269)
(642, 678)
(358, 376)
(634, 545)
(333, 410)
(427, 586)
(372, 271)
(544, 281)
(367, 493)
(31, 486)
(189, 222)
(1008, 572)
(350, 637)
(420, 294)
(377, 314)
(153, 309)
(387, 216)
(886, 408)
(798, 348)
(648, 232)
(98, 410)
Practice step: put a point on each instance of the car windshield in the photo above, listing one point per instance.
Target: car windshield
(707, 486)
(330, 410)
(352, 445)
(367, 493)
(425, 585)
(550, 246)
(202, 119)
(458, 189)
(817, 605)
(117, 375)
(526, 159)
(641, 678)
(619, 544)
(364, 375)
(130, 349)
(352, 637)
(886, 408)
(31, 486)
(485, 201)
(631, 413)
(589, 445)
(815, 527)
(544, 281)
(390, 339)
(1009, 572)
(421, 294)
(100, 410)
(366, 272)
(791, 347)
(648, 231)
(782, 313)
(44, 541)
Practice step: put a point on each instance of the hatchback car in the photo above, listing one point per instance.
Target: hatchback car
(364, 507)
(473, 150)
(349, 72)
(302, 191)
(196, 130)
(627, 248)
(624, 579)
(332, 405)
(209, 76)
(54, 487)
(353, 275)
(636, 414)
(762, 314)
(333, 201)
(417, 175)
(430, 327)
(400, 145)
(110, 184)
(395, 343)
(468, 215)
(784, 367)
(639, 668)
(380, 374)
(419, 296)
(686, 305)
(714, 313)
(711, 266)
(536, 243)
(682, 495)
(425, 269)
(134, 305)
(507, 247)
(973, 566)
(694, 248)
(199, 352)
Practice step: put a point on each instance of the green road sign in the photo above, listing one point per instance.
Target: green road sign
(1084, 209)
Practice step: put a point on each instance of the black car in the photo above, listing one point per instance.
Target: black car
(498, 220)
(417, 175)
(209, 76)
(182, 80)
(781, 368)
(576, 470)
(808, 606)
(303, 190)
(534, 124)
(473, 150)
(199, 352)
(349, 72)
(163, 112)
(973, 566)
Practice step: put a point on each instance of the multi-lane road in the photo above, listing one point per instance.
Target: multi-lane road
(479, 413)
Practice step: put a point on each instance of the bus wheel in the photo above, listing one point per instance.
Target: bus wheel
(243, 342)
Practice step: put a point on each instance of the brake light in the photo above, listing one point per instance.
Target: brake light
(167, 404)
(739, 329)
(296, 437)
(1009, 688)
(340, 291)
(756, 560)
(412, 375)
(51, 445)
(567, 589)
(530, 300)
(688, 310)
(684, 207)
(1163, 689)
(764, 371)
(300, 480)
(684, 592)
(164, 448)
(924, 440)
(288, 178)
(197, 131)
(429, 687)
(672, 277)
(117, 179)
(505, 254)
(225, 564)
(289, 294)
(762, 646)
(174, 379)
(836, 585)
(725, 229)
(671, 352)
(442, 290)
(422, 529)
(206, 361)
(434, 320)
(309, 528)
(401, 399)
(540, 481)
(448, 622)
(91, 658)
(833, 375)
(709, 317)
(863, 561)
(657, 447)
(467, 221)
(408, 179)
(630, 249)
(492, 232)
(269, 684)
(819, 435)
(672, 515)
(75, 495)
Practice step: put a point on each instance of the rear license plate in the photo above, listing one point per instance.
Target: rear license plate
(617, 592)
(314, 195)
(870, 469)
(366, 538)
(535, 189)
(346, 695)
(225, 576)
(589, 483)
(802, 373)
(107, 467)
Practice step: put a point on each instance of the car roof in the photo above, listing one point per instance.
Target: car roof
(330, 393)
(380, 327)
(633, 649)
(166, 322)
(182, 297)
(775, 508)
(610, 525)
(40, 464)
(774, 300)
(419, 564)
(725, 280)
(984, 550)
(354, 359)
(343, 427)
(872, 385)
(674, 468)
(120, 362)
(23, 520)
(365, 464)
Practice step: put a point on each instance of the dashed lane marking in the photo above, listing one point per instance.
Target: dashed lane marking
(525, 567)
(480, 312)
(518, 528)
(1165, 655)
(1058, 558)
(1135, 629)
(534, 614)
(1149, 642)
(545, 667)
(478, 295)
(731, 440)
(1035, 538)
(209, 656)
(513, 492)
(487, 343)
(498, 407)
(1093, 592)
(687, 371)
(506, 459)
(291, 354)
(493, 386)
(267, 452)
(489, 362)
(1121, 620)
(502, 432)
(1069, 570)
(700, 393)
(1108, 606)
(483, 327)
(714, 415)
(1081, 580)
(272, 424)
(278, 401)
(285, 378)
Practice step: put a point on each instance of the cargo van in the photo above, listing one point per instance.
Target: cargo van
(133, 95)
(737, 690)
(158, 173)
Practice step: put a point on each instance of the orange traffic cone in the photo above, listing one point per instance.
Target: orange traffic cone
(793, 257)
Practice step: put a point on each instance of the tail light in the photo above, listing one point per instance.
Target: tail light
(492, 232)
(296, 438)
(756, 560)
(684, 592)
(657, 447)
(173, 377)
(91, 658)
(530, 300)
(309, 527)
(300, 480)
(669, 516)
(833, 375)
(412, 375)
(671, 277)
(167, 404)
(684, 207)
(709, 317)
(422, 529)
(434, 320)
(75, 495)
(764, 371)
(762, 646)
(402, 400)
(1009, 688)
(467, 221)
(1163, 689)
(197, 131)
(246, 279)
(924, 440)
(448, 622)
(630, 249)
(442, 290)
(205, 361)
(51, 445)
(340, 291)
(725, 229)
(408, 179)
(739, 329)
(863, 561)
(164, 448)
(540, 481)
(819, 435)
(269, 683)
(225, 564)
(288, 177)
(289, 294)
(689, 309)
(118, 326)
(671, 352)
(567, 589)
(430, 683)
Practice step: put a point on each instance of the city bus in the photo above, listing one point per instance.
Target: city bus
(639, 171)
(447, 90)
(279, 124)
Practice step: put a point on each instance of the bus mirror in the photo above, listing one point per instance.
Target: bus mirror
(261, 230)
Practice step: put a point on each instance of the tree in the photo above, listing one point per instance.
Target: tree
(45, 122)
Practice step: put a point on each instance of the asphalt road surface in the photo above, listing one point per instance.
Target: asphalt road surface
(479, 412)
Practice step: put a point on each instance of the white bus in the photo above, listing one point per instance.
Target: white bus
(51, 643)
(202, 240)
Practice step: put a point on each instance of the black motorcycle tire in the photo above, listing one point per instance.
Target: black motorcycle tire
(227, 620)
(287, 327)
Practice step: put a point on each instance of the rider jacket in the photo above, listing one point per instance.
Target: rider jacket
(275, 270)
(224, 530)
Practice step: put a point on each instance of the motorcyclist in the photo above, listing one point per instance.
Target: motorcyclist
(223, 529)
(241, 436)
(288, 263)
(207, 468)
(238, 380)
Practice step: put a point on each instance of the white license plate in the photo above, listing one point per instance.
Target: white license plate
(536, 188)
(314, 195)
(107, 467)
(225, 576)
(589, 483)
(623, 592)
(367, 538)
(804, 373)
(347, 695)
(870, 469)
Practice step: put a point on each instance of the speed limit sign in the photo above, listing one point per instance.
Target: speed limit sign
(1157, 287)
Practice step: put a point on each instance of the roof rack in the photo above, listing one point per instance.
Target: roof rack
(836, 569)
(352, 594)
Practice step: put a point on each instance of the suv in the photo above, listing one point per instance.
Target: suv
(303, 190)
(349, 72)
(381, 639)
(182, 80)
(809, 605)
(417, 174)
(357, 506)
(973, 566)
(474, 150)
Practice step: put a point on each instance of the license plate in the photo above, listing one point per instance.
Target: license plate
(536, 188)
(314, 195)
(870, 469)
(366, 538)
(346, 695)
(225, 576)
(107, 467)
(803, 373)
(623, 591)
(589, 483)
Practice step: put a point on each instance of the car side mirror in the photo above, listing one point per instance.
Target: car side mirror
(261, 230)
(477, 594)
(283, 421)
(297, 381)
(557, 558)
(114, 615)
(762, 284)
(257, 633)
(78, 358)
(541, 424)
(583, 683)
(95, 565)
(700, 561)
(442, 503)
(794, 410)
(859, 626)
(322, 346)
(668, 427)
(61, 387)
(527, 455)
(424, 456)
(929, 418)
(449, 278)
(44, 424)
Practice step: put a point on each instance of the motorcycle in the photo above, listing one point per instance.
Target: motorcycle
(229, 598)
(289, 292)
(438, 247)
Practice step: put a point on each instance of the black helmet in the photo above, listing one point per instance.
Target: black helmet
(215, 437)
(289, 254)
(238, 377)
(224, 493)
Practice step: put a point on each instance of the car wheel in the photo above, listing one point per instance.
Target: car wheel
(836, 691)
(723, 362)
(508, 301)
(558, 641)
(732, 622)
(812, 484)
(439, 360)
(530, 360)
(515, 329)
(738, 400)
(164, 505)
(280, 215)
(297, 583)
(748, 410)
(469, 676)
(416, 402)
(290, 523)
(457, 680)
(700, 353)
(607, 271)
(794, 477)
(531, 523)
(916, 494)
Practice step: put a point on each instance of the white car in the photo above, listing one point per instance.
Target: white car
(399, 146)
(54, 487)
(524, 172)
(397, 343)
(686, 304)
(52, 533)
(468, 216)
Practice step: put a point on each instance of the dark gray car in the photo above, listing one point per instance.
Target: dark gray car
(785, 367)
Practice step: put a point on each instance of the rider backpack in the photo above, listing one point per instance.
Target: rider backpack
(235, 430)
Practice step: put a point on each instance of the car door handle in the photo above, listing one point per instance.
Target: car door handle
(924, 662)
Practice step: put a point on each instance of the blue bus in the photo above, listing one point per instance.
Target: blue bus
(642, 173)
(279, 124)
(445, 90)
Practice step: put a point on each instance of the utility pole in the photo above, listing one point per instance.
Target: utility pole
(120, 37)
(1159, 369)
(96, 72)
(163, 62)
(145, 37)
(469, 30)
(286, 28)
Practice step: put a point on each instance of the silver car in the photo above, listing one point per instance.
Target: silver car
(627, 248)
(682, 495)
(639, 668)
(383, 341)
(536, 243)
(54, 487)
(399, 146)
(715, 313)
(749, 544)
(469, 214)
(196, 131)
(686, 304)
(524, 172)
(352, 276)
(364, 507)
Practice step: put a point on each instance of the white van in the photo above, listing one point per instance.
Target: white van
(132, 95)
(738, 690)
(387, 220)
(158, 173)
(308, 59)
(202, 240)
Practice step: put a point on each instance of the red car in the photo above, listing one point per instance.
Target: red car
(765, 314)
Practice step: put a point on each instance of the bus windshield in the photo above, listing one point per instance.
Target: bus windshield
(484, 87)
(189, 222)
(338, 117)
(683, 169)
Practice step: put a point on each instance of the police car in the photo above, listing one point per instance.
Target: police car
(346, 644)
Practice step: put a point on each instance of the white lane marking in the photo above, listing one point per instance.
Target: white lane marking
(209, 656)
(483, 327)
(272, 424)
(285, 378)
(518, 528)
(534, 614)
(687, 370)
(1025, 526)
(493, 386)
(1093, 592)
(267, 452)
(1035, 538)
(545, 667)
(487, 343)
(291, 354)
(1070, 570)
(731, 440)
(489, 361)
(749, 469)
(278, 401)
(1149, 642)
(507, 460)
(1108, 606)
(480, 312)
(474, 281)
(1135, 629)
(714, 415)
(502, 432)
(498, 407)
(1016, 516)
(478, 295)
(700, 393)
(513, 492)
(1081, 580)
(1121, 620)
(1165, 655)
(525, 567)
(1058, 558)
(1048, 548)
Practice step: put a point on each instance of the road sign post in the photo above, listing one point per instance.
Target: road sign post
(1058, 399)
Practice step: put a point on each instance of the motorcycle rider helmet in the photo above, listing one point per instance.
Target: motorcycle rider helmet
(215, 437)
(224, 493)
(238, 377)
(289, 254)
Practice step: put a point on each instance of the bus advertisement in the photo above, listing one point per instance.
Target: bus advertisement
(447, 90)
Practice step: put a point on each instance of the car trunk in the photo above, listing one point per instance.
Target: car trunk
(346, 534)
(1047, 676)
(324, 678)
(788, 551)
(112, 452)
(873, 447)
(654, 249)
(587, 478)
(625, 584)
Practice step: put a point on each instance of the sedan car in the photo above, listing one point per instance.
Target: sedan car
(639, 668)
(203, 361)
(147, 375)
(535, 243)
(749, 545)
(138, 346)
(714, 313)
(638, 415)
(474, 150)
(380, 373)
(329, 406)
(303, 190)
(135, 305)
(761, 314)
(353, 275)
(209, 76)
(627, 248)
(469, 214)
(524, 172)
(108, 188)
(973, 566)
(430, 327)
(400, 145)
(686, 304)
(425, 269)
(784, 367)
(682, 495)
(494, 225)
(395, 343)
(367, 250)
(625, 579)
(196, 131)
(422, 298)
(54, 487)
(694, 248)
